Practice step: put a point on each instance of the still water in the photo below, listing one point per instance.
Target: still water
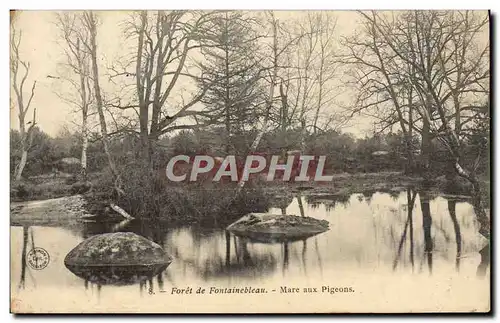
(403, 234)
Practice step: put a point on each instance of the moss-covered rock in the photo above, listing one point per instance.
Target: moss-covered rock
(264, 227)
(117, 249)
(117, 258)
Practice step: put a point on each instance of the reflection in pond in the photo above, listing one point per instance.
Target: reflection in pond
(116, 275)
(427, 226)
(409, 224)
(23, 258)
(452, 204)
(485, 261)
(427, 230)
(359, 240)
(328, 200)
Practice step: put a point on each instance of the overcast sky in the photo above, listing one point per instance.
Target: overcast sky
(40, 47)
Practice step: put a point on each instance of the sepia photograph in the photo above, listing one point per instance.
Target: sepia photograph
(250, 161)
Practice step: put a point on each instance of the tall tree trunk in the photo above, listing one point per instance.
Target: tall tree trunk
(284, 109)
(83, 71)
(425, 148)
(456, 103)
(143, 99)
(477, 203)
(21, 165)
(24, 153)
(92, 26)
(26, 144)
(320, 94)
(23, 107)
(303, 134)
(155, 115)
(408, 136)
(227, 102)
(269, 102)
(284, 118)
(85, 144)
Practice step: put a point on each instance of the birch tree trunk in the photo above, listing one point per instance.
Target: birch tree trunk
(21, 165)
(23, 107)
(77, 60)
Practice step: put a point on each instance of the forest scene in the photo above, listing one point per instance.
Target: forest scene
(397, 101)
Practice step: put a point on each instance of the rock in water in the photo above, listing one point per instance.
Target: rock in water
(264, 227)
(115, 249)
(117, 258)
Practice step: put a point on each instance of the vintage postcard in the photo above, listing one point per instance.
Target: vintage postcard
(250, 161)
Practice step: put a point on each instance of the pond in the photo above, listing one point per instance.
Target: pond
(386, 248)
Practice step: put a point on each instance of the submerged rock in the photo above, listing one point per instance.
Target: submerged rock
(264, 227)
(117, 258)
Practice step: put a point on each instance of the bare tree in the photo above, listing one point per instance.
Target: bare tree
(326, 65)
(165, 42)
(90, 23)
(439, 48)
(272, 84)
(307, 71)
(18, 80)
(380, 91)
(77, 63)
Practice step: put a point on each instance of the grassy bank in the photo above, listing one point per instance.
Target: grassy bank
(220, 203)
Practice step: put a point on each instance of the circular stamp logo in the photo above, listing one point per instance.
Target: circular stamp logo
(38, 258)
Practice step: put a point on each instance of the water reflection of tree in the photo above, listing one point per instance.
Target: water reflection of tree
(304, 244)
(427, 230)
(23, 258)
(24, 267)
(330, 201)
(458, 237)
(243, 261)
(408, 225)
(368, 195)
(243, 264)
(427, 226)
(237, 260)
(485, 261)
(146, 285)
(286, 257)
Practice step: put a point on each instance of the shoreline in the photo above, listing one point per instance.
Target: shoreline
(341, 188)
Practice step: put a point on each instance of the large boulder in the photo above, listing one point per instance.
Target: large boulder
(117, 258)
(270, 228)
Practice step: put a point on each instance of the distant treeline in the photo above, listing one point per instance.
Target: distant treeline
(345, 153)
